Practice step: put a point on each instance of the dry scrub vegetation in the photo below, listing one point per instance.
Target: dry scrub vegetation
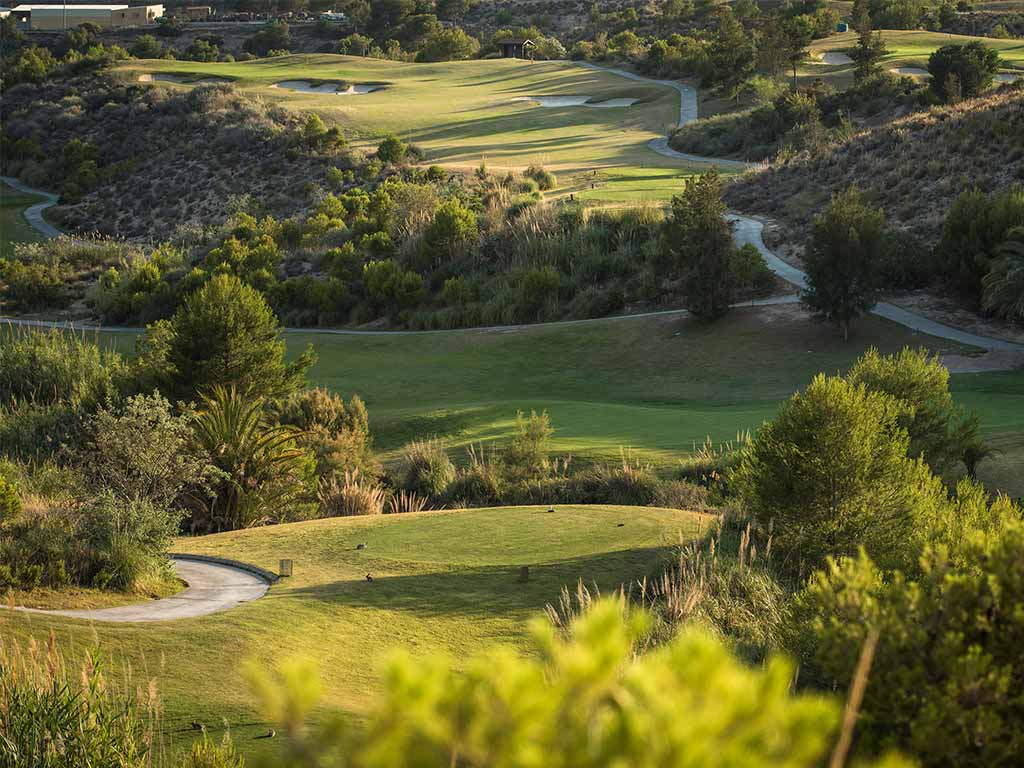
(913, 168)
(165, 159)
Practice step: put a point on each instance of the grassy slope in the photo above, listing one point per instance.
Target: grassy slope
(443, 581)
(13, 227)
(657, 384)
(461, 113)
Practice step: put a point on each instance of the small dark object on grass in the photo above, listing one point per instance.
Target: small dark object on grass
(369, 577)
(196, 725)
(360, 546)
(268, 735)
(621, 525)
(551, 509)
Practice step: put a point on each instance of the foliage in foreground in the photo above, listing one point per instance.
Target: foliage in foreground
(590, 699)
(947, 679)
(55, 717)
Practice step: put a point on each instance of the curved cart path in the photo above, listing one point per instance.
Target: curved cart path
(747, 230)
(212, 587)
(34, 213)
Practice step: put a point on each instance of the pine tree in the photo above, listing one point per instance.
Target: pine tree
(841, 260)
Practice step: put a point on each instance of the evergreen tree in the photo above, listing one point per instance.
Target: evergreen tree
(871, 48)
(841, 260)
(697, 241)
(732, 54)
(223, 335)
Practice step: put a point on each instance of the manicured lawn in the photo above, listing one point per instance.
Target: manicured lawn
(443, 581)
(463, 113)
(13, 227)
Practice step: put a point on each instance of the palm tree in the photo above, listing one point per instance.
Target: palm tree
(260, 473)
(1004, 283)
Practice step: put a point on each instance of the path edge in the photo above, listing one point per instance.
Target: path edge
(269, 576)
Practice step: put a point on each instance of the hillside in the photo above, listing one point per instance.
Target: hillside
(913, 167)
(144, 160)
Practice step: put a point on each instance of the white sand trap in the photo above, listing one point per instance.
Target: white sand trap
(575, 101)
(613, 103)
(1008, 77)
(334, 89)
(911, 71)
(835, 58)
(555, 101)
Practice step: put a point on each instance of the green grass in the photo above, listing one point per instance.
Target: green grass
(14, 228)
(907, 48)
(462, 113)
(656, 385)
(443, 581)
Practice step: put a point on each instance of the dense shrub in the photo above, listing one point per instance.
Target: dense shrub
(947, 672)
(589, 698)
(349, 495)
(426, 469)
(10, 501)
(975, 227)
(830, 474)
(262, 474)
(45, 701)
(32, 286)
(962, 71)
(920, 385)
(335, 433)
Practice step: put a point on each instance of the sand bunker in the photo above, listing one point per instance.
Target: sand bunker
(575, 101)
(334, 89)
(911, 71)
(835, 58)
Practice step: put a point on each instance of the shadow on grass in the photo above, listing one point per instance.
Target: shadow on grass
(485, 592)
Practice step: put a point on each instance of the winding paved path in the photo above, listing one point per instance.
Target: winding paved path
(749, 230)
(34, 213)
(212, 587)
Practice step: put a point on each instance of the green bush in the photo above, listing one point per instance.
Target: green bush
(585, 698)
(972, 66)
(544, 178)
(947, 672)
(426, 469)
(527, 453)
(830, 474)
(10, 501)
(391, 150)
(32, 286)
(905, 261)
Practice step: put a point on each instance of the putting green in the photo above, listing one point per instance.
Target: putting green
(442, 581)
(908, 48)
(463, 113)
